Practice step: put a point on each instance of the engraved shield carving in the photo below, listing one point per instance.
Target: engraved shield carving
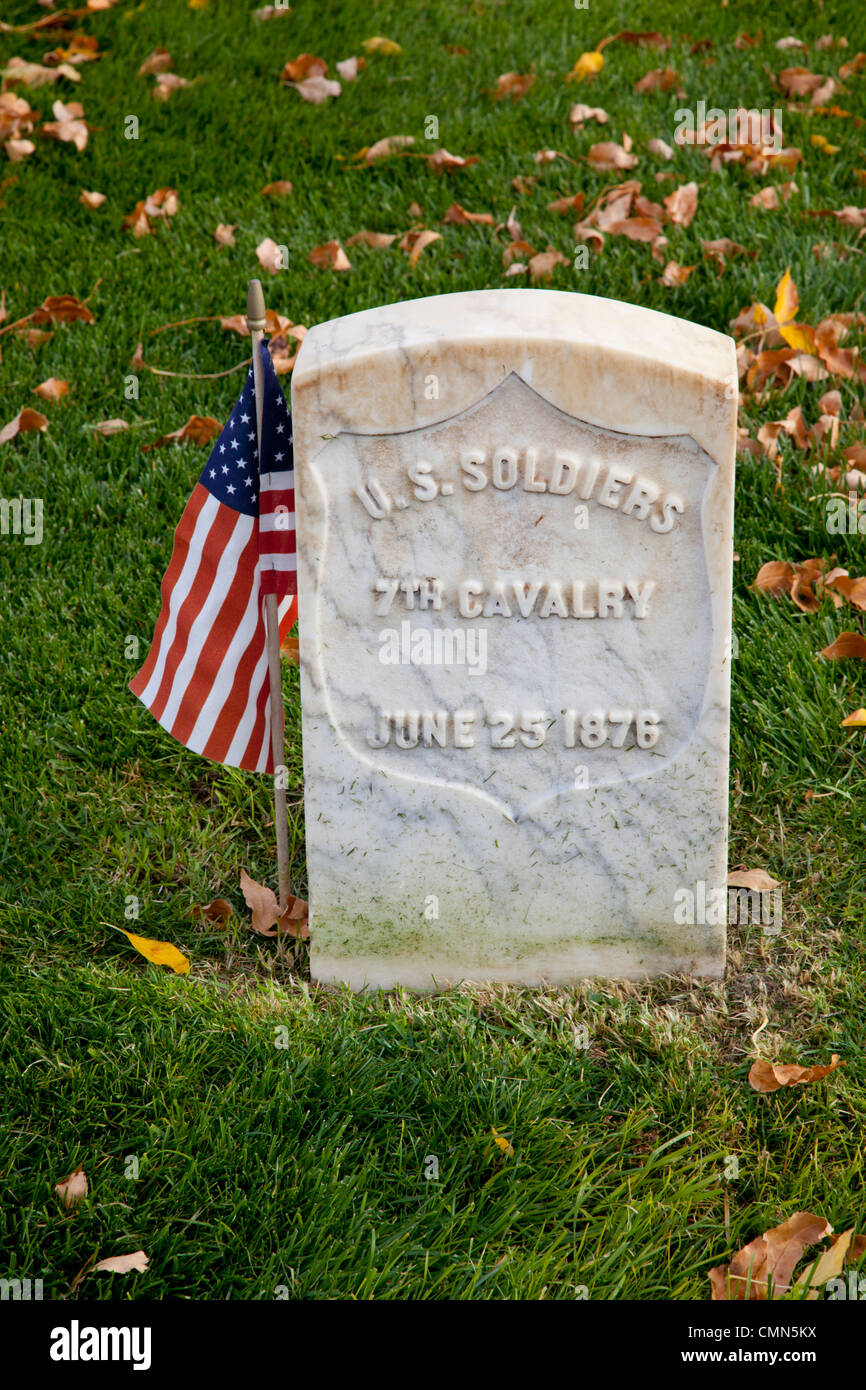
(519, 580)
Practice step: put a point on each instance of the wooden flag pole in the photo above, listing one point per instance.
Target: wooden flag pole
(256, 325)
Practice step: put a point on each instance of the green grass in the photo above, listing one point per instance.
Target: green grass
(302, 1168)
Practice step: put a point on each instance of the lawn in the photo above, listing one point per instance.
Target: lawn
(258, 1137)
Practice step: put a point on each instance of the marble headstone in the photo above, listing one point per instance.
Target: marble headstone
(514, 514)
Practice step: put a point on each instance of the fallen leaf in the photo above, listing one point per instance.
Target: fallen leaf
(541, 266)
(443, 161)
(414, 242)
(159, 953)
(199, 429)
(387, 146)
(658, 79)
(660, 148)
(856, 720)
(764, 1267)
(316, 89)
(846, 646)
(674, 274)
(514, 85)
(109, 427)
(25, 422)
(609, 155)
(224, 235)
(682, 204)
(460, 216)
(270, 256)
(279, 189)
(588, 65)
(51, 389)
(350, 67)
(580, 113)
(158, 61)
(756, 880)
(305, 65)
(377, 240)
(380, 45)
(775, 577)
(771, 1076)
(91, 200)
(331, 256)
(123, 1264)
(72, 1189)
(218, 911)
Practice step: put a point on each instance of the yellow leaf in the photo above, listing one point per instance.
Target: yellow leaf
(501, 1142)
(787, 299)
(799, 336)
(380, 45)
(857, 720)
(587, 66)
(159, 952)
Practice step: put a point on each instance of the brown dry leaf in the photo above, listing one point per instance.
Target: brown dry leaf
(199, 429)
(123, 1264)
(377, 240)
(291, 648)
(775, 577)
(295, 919)
(72, 1189)
(68, 125)
(25, 422)
(682, 204)
(660, 148)
(109, 427)
(280, 188)
(723, 248)
(262, 902)
(674, 274)
(331, 256)
(305, 65)
(658, 79)
(831, 403)
(443, 162)
(17, 150)
(799, 82)
(847, 645)
(350, 67)
(541, 266)
(270, 256)
(642, 39)
(772, 1076)
(389, 145)
(218, 911)
(609, 155)
(51, 389)
(168, 82)
(35, 75)
(316, 89)
(770, 1258)
(91, 200)
(756, 880)
(158, 61)
(580, 112)
(224, 234)
(514, 85)
(460, 216)
(766, 198)
(415, 241)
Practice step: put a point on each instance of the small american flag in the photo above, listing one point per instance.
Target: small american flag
(206, 677)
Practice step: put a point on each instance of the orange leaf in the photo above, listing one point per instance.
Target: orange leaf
(847, 644)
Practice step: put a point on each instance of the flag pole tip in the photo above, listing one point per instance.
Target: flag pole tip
(255, 306)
